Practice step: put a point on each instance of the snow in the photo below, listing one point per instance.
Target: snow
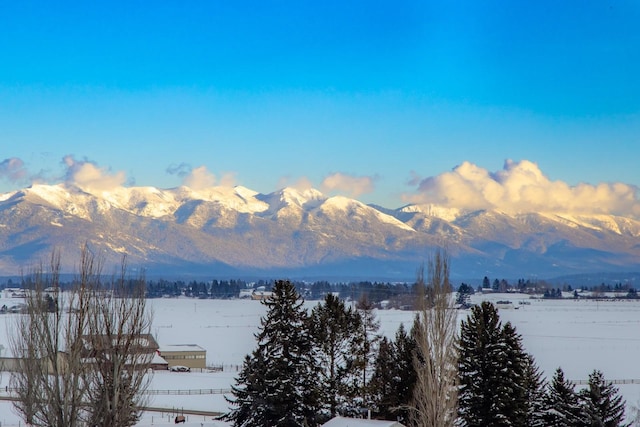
(7, 196)
(145, 201)
(356, 208)
(351, 422)
(447, 214)
(291, 199)
(180, 347)
(578, 336)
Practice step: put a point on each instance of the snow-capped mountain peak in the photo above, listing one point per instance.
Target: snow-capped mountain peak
(447, 214)
(239, 229)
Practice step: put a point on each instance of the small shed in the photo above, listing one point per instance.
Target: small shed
(358, 422)
(190, 355)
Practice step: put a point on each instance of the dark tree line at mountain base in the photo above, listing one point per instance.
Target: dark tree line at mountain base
(309, 367)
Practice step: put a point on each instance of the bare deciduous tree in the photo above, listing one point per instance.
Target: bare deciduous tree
(434, 401)
(80, 353)
(120, 357)
(49, 377)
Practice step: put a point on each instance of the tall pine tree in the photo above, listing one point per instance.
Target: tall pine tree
(394, 377)
(602, 405)
(277, 384)
(334, 328)
(562, 406)
(511, 391)
(492, 370)
(366, 350)
(385, 381)
(534, 394)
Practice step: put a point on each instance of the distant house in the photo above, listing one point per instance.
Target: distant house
(144, 346)
(357, 422)
(245, 293)
(190, 355)
(145, 350)
(260, 295)
(144, 343)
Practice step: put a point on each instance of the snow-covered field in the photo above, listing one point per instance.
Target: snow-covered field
(578, 336)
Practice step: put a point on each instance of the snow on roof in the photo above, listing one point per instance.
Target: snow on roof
(356, 422)
(181, 347)
(158, 360)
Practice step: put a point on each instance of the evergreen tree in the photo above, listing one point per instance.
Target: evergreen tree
(534, 393)
(334, 329)
(384, 381)
(277, 384)
(249, 386)
(462, 297)
(366, 350)
(602, 404)
(562, 406)
(479, 373)
(394, 377)
(404, 349)
(511, 391)
(492, 370)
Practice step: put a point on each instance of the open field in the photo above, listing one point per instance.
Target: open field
(578, 336)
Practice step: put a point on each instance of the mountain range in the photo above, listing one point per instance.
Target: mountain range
(237, 232)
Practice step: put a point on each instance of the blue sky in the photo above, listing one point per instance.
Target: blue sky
(376, 99)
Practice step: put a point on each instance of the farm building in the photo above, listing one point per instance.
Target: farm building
(190, 355)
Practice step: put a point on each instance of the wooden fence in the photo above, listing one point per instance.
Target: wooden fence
(6, 392)
(190, 392)
(614, 382)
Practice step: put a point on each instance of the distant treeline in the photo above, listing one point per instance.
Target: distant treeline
(375, 291)
(394, 294)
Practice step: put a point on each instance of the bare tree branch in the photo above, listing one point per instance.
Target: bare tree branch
(434, 400)
(81, 358)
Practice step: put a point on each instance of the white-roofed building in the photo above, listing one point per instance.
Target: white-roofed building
(190, 355)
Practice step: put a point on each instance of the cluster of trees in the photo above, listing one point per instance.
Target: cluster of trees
(500, 384)
(80, 359)
(305, 364)
(400, 293)
(80, 362)
(310, 366)
(553, 293)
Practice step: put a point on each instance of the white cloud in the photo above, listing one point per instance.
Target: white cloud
(90, 177)
(299, 184)
(201, 178)
(353, 186)
(522, 187)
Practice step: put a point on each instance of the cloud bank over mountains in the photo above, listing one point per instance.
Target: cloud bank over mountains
(519, 187)
(353, 186)
(522, 187)
(90, 177)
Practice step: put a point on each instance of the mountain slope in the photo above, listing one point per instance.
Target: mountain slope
(237, 231)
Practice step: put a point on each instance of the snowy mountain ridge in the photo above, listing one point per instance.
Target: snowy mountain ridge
(226, 230)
